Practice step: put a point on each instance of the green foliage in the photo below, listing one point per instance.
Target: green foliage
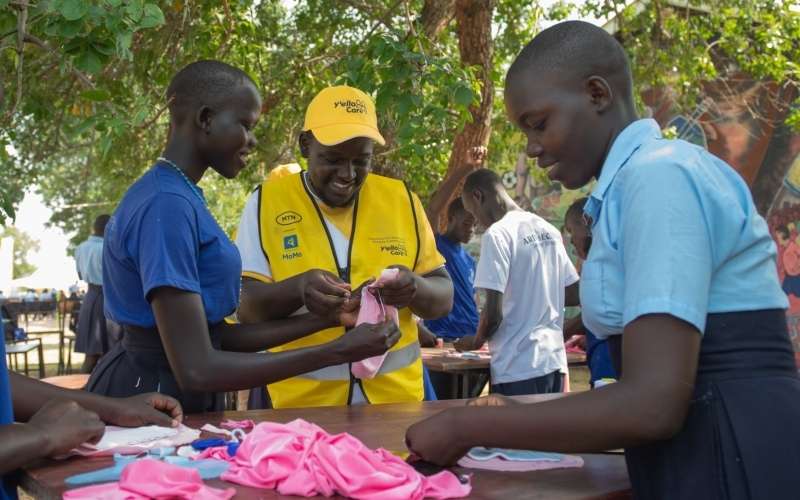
(422, 99)
(87, 123)
(681, 46)
(23, 244)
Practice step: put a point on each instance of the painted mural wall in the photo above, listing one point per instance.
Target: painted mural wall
(741, 121)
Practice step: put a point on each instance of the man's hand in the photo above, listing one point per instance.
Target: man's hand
(467, 343)
(368, 340)
(475, 157)
(426, 337)
(400, 291)
(348, 314)
(144, 409)
(323, 292)
(66, 425)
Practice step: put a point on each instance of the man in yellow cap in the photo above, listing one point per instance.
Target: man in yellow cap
(308, 239)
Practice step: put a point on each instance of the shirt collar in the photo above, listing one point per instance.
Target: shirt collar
(626, 143)
(95, 238)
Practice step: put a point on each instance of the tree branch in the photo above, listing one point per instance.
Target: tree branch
(411, 27)
(8, 33)
(160, 111)
(39, 43)
(23, 18)
(230, 21)
(382, 20)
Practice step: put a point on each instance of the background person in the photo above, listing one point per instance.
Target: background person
(528, 279)
(95, 335)
(463, 319)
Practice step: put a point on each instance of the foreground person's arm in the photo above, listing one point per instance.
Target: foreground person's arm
(660, 355)
(55, 420)
(198, 367)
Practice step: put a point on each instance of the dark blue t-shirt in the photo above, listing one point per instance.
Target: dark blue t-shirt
(463, 319)
(161, 234)
(8, 483)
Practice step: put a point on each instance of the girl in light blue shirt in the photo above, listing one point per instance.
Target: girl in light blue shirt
(681, 267)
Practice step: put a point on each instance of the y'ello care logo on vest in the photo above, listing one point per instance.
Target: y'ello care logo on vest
(394, 245)
(291, 243)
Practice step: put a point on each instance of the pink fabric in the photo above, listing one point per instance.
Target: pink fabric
(371, 312)
(241, 424)
(184, 435)
(502, 465)
(300, 458)
(215, 430)
(145, 479)
(218, 452)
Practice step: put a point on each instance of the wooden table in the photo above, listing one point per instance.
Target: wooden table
(76, 381)
(471, 375)
(602, 476)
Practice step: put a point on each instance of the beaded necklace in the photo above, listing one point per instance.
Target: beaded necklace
(205, 203)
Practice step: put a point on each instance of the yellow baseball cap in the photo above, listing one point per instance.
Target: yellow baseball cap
(338, 114)
(282, 171)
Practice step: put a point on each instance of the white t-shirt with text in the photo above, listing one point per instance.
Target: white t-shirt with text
(523, 257)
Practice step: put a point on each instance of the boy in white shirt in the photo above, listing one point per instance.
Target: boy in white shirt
(528, 279)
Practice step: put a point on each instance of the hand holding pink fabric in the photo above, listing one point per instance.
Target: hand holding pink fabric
(372, 312)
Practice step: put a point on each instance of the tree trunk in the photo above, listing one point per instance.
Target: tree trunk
(436, 15)
(474, 31)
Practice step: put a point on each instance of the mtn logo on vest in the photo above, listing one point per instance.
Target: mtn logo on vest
(287, 218)
(394, 249)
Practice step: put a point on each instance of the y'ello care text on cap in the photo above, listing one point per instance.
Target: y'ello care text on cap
(357, 106)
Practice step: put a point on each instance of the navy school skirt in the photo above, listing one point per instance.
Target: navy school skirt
(741, 437)
(139, 364)
(95, 335)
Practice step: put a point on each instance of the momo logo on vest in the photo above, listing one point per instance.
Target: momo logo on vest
(357, 106)
(287, 218)
(290, 242)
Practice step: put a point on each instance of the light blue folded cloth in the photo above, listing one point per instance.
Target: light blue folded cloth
(209, 468)
(481, 453)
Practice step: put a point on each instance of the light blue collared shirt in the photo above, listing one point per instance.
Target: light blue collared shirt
(89, 260)
(675, 231)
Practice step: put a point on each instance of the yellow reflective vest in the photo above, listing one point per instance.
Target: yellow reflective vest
(295, 239)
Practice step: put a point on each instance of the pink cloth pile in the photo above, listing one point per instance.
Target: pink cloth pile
(299, 458)
(146, 479)
(371, 312)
